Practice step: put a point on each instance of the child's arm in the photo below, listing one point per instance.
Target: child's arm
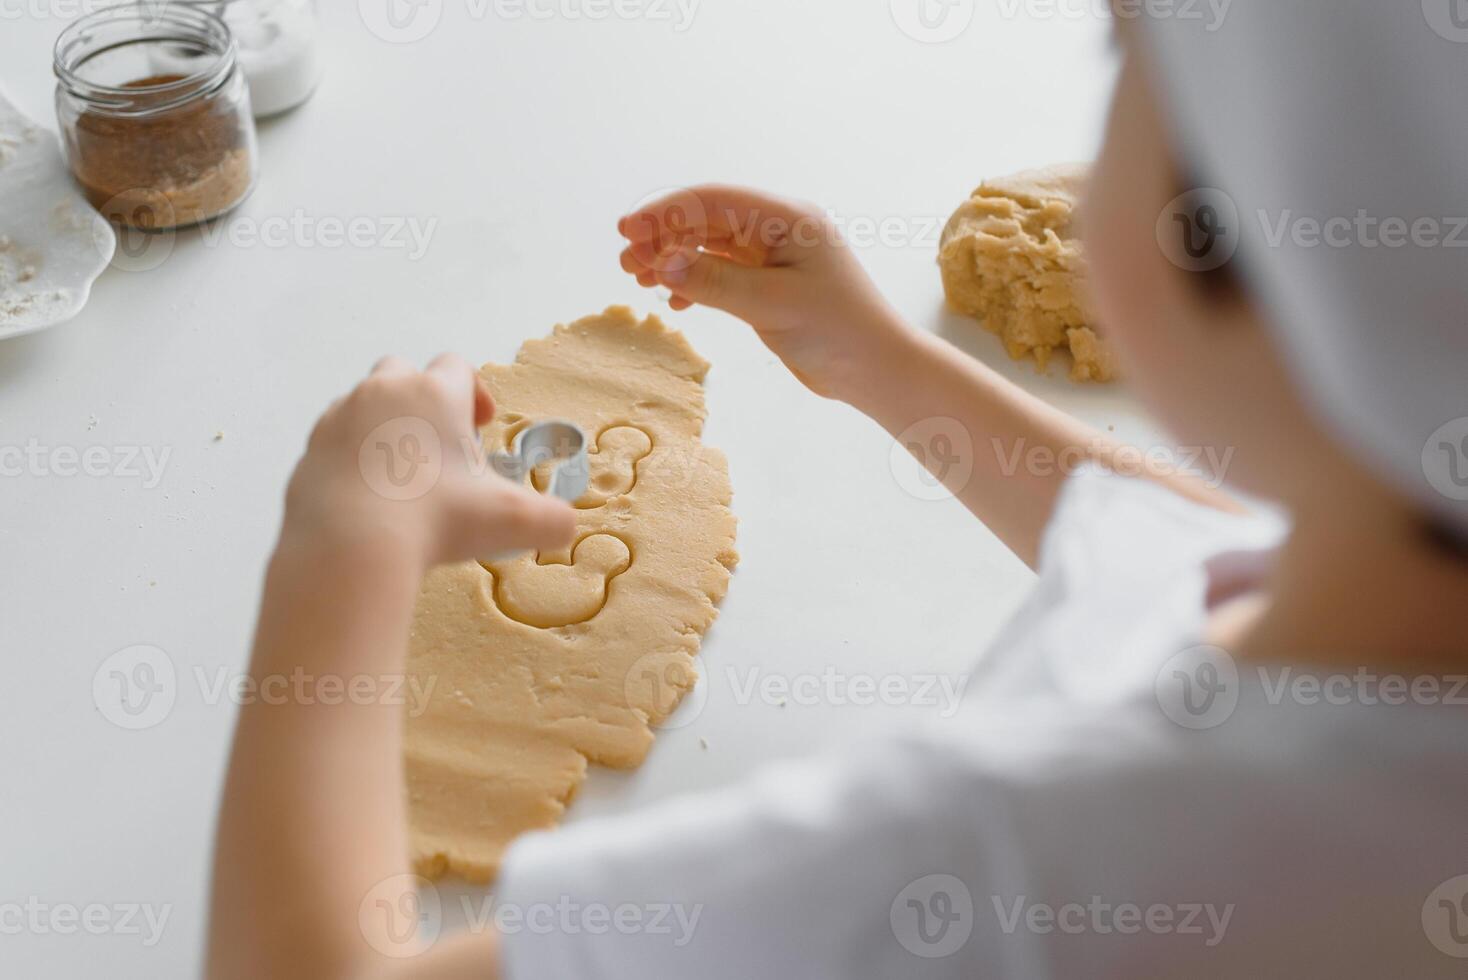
(312, 826)
(782, 268)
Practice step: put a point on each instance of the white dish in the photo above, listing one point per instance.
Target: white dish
(53, 244)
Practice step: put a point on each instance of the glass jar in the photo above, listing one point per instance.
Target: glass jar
(151, 149)
(278, 43)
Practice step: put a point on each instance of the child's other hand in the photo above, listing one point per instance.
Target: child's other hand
(780, 266)
(398, 461)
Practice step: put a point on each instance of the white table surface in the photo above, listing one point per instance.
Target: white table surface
(521, 141)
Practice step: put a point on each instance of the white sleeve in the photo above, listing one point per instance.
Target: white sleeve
(868, 865)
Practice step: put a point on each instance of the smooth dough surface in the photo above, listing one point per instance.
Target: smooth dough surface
(542, 663)
(1010, 256)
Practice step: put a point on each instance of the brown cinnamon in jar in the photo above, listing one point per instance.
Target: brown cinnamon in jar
(155, 151)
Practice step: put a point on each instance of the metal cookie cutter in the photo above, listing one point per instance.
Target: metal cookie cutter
(561, 443)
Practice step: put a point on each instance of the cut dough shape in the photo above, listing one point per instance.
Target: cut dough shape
(546, 593)
(613, 461)
(517, 710)
(1011, 257)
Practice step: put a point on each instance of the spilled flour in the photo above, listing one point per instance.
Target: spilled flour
(20, 301)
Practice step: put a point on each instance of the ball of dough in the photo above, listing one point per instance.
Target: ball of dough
(1010, 256)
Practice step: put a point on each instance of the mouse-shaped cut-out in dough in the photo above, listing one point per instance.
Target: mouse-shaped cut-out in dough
(560, 593)
(613, 462)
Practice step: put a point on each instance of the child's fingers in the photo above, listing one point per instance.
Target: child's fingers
(648, 257)
(753, 225)
(458, 379)
(640, 257)
(391, 366)
(630, 263)
(712, 280)
(751, 253)
(464, 385)
(483, 402)
(711, 209)
(641, 272)
(638, 268)
(454, 373)
(507, 516)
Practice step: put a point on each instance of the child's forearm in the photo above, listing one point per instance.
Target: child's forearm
(918, 377)
(811, 303)
(311, 871)
(312, 819)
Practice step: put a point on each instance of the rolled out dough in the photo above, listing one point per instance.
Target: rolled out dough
(1011, 257)
(543, 663)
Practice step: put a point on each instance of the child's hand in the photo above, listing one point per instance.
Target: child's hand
(399, 460)
(780, 266)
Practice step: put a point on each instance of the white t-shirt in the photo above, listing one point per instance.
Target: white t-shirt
(1114, 801)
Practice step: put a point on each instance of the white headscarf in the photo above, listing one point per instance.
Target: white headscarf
(1354, 109)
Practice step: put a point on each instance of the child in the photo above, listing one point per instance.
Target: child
(1205, 748)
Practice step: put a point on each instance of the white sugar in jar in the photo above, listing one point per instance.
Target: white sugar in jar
(278, 49)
